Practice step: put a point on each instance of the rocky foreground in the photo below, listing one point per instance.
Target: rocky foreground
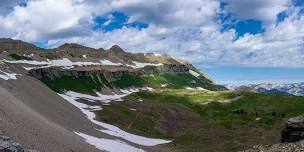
(284, 147)
(291, 137)
(294, 130)
(8, 145)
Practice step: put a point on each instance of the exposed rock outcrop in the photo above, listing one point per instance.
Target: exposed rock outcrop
(57, 72)
(110, 73)
(294, 130)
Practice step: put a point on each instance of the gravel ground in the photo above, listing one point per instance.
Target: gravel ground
(8, 145)
(283, 147)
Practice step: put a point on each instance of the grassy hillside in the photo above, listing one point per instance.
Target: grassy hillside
(77, 84)
(196, 120)
(19, 57)
(184, 116)
(97, 82)
(181, 81)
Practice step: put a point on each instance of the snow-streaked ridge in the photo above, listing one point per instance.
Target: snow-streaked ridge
(66, 63)
(108, 62)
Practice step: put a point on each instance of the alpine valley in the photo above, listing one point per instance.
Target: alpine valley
(79, 99)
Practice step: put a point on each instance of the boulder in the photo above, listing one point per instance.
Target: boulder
(294, 130)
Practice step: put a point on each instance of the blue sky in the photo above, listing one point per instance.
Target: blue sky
(226, 38)
(115, 20)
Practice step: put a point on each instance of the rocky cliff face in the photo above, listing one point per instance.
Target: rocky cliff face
(108, 73)
(57, 72)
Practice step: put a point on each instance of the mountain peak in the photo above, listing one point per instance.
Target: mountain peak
(11, 45)
(71, 46)
(74, 47)
(7, 40)
(116, 49)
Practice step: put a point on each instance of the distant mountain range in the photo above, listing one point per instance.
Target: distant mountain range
(296, 89)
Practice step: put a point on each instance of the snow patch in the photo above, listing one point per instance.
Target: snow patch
(66, 63)
(189, 88)
(201, 89)
(28, 55)
(132, 109)
(157, 54)
(142, 65)
(95, 108)
(140, 140)
(27, 62)
(194, 73)
(108, 144)
(100, 97)
(148, 89)
(8, 76)
(110, 129)
(164, 85)
(230, 100)
(107, 62)
(197, 88)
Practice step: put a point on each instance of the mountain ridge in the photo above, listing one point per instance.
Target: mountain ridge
(296, 89)
(77, 60)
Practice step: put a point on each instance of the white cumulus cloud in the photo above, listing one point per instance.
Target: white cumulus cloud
(265, 10)
(184, 29)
